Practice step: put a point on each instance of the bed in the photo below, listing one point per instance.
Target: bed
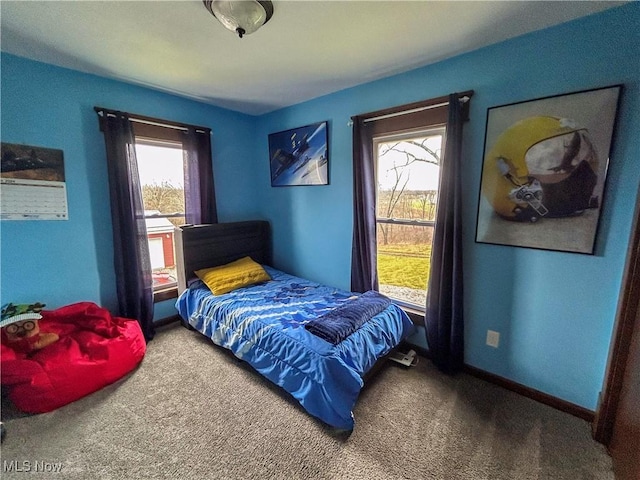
(268, 324)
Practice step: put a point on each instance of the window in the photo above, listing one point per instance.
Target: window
(132, 254)
(407, 175)
(396, 157)
(171, 195)
(161, 171)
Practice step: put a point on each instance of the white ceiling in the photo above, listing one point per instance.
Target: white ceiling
(308, 48)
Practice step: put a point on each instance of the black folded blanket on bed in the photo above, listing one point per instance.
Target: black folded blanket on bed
(342, 321)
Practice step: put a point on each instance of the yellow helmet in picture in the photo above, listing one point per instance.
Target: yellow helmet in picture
(541, 167)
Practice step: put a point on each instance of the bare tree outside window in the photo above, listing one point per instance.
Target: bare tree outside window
(165, 198)
(407, 175)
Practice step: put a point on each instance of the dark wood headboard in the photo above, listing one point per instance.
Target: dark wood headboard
(204, 246)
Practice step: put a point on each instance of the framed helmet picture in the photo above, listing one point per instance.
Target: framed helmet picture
(544, 171)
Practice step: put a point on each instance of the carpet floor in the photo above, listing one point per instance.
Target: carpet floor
(192, 411)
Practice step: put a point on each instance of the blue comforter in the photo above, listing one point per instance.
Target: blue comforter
(265, 325)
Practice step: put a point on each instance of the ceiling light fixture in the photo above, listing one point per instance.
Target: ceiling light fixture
(242, 16)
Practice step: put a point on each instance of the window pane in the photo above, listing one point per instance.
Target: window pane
(408, 174)
(162, 180)
(404, 262)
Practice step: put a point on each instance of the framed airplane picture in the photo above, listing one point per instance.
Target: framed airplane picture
(300, 156)
(544, 171)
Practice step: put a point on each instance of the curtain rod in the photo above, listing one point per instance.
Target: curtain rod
(152, 121)
(413, 110)
(466, 96)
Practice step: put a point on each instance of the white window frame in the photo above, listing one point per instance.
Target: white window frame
(432, 130)
(157, 142)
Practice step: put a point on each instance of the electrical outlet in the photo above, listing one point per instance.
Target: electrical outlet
(493, 338)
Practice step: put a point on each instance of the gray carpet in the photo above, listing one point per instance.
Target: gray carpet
(193, 411)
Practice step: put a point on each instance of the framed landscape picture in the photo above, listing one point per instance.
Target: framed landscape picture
(544, 171)
(300, 156)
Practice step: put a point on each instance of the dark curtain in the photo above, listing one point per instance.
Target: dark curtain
(131, 248)
(199, 193)
(444, 310)
(364, 274)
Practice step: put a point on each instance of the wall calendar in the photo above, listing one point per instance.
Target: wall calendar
(32, 183)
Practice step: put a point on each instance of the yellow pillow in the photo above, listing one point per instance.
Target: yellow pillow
(226, 278)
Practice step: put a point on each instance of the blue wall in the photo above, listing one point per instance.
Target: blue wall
(555, 311)
(60, 262)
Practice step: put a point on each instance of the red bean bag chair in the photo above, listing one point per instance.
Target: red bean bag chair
(94, 349)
